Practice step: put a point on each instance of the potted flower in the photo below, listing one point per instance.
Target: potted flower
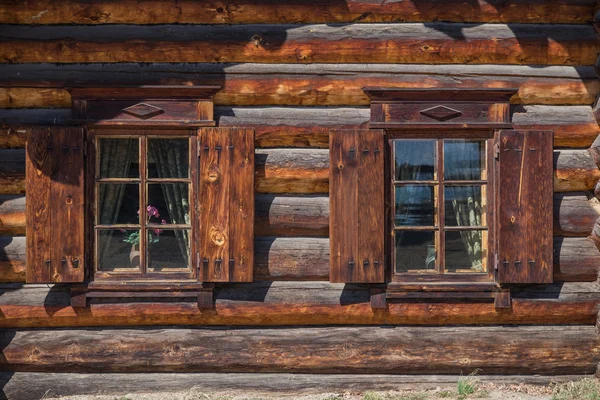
(153, 216)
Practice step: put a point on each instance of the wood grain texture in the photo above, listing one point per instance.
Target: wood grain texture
(13, 252)
(292, 259)
(575, 260)
(34, 385)
(293, 215)
(535, 349)
(573, 126)
(274, 12)
(299, 303)
(40, 85)
(574, 214)
(12, 215)
(432, 43)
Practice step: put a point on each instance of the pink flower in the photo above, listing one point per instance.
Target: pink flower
(163, 221)
(152, 211)
(157, 232)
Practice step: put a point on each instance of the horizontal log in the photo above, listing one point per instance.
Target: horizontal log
(398, 350)
(291, 259)
(12, 215)
(306, 171)
(431, 43)
(575, 260)
(298, 303)
(574, 214)
(40, 85)
(36, 385)
(573, 126)
(12, 259)
(275, 12)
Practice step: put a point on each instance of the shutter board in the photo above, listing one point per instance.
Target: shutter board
(357, 219)
(226, 205)
(525, 195)
(55, 205)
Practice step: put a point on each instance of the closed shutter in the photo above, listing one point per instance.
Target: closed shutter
(525, 192)
(357, 214)
(55, 205)
(226, 205)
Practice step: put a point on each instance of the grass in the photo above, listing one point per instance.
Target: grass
(467, 385)
(585, 389)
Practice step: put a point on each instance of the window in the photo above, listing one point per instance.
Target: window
(439, 191)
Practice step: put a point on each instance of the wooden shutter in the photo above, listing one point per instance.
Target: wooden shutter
(525, 192)
(226, 205)
(356, 198)
(55, 205)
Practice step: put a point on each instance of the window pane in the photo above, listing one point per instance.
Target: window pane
(118, 249)
(415, 251)
(168, 249)
(414, 160)
(168, 158)
(464, 160)
(464, 206)
(415, 205)
(466, 251)
(118, 203)
(118, 158)
(168, 203)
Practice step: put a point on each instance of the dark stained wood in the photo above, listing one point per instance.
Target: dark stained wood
(226, 204)
(534, 349)
(299, 303)
(524, 201)
(40, 85)
(502, 300)
(272, 11)
(356, 218)
(438, 42)
(278, 215)
(573, 126)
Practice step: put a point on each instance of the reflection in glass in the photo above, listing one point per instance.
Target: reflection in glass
(170, 203)
(464, 159)
(414, 205)
(118, 158)
(463, 206)
(414, 159)
(168, 158)
(118, 203)
(465, 251)
(415, 251)
(118, 249)
(168, 249)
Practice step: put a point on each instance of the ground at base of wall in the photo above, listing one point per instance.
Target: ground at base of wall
(466, 388)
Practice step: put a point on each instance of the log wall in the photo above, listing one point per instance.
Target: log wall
(293, 71)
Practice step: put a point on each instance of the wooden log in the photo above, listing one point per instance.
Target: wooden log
(575, 260)
(291, 259)
(306, 171)
(438, 42)
(399, 350)
(317, 84)
(12, 215)
(298, 303)
(574, 214)
(13, 251)
(292, 215)
(36, 385)
(275, 12)
(573, 126)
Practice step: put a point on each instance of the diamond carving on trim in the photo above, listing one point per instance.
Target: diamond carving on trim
(143, 110)
(441, 113)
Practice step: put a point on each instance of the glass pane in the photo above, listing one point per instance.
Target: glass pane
(415, 251)
(466, 251)
(118, 249)
(415, 205)
(464, 206)
(168, 158)
(168, 249)
(118, 158)
(168, 203)
(464, 160)
(118, 203)
(415, 160)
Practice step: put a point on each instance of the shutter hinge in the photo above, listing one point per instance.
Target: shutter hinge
(497, 151)
(496, 261)
(198, 265)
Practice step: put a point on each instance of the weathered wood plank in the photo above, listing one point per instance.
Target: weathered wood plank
(274, 12)
(400, 350)
(290, 215)
(36, 385)
(40, 85)
(573, 126)
(438, 42)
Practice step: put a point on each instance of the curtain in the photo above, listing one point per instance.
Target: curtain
(464, 157)
(169, 159)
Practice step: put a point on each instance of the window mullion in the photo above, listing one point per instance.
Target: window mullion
(143, 170)
(440, 265)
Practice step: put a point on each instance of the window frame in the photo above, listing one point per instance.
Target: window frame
(439, 134)
(92, 133)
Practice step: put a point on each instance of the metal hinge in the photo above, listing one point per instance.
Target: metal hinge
(497, 151)
(496, 261)
(198, 265)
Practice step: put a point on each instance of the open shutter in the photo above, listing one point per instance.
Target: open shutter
(55, 205)
(525, 192)
(356, 198)
(226, 205)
